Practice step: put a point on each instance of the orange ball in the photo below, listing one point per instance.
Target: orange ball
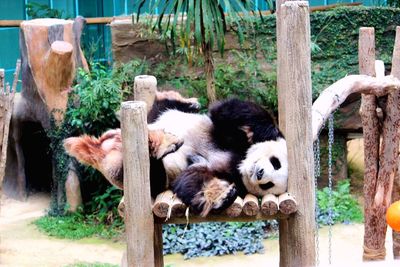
(393, 216)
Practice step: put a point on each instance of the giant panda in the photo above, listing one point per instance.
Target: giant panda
(234, 150)
(208, 159)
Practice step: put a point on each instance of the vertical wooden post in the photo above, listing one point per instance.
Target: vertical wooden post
(6, 110)
(1, 80)
(139, 221)
(366, 59)
(280, 68)
(396, 181)
(297, 240)
(145, 88)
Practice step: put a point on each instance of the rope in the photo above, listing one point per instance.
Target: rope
(371, 254)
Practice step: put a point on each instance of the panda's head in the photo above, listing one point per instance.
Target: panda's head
(265, 168)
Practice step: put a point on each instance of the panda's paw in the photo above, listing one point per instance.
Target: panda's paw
(162, 143)
(194, 103)
(203, 191)
(216, 195)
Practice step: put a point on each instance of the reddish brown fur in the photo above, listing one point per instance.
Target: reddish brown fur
(89, 150)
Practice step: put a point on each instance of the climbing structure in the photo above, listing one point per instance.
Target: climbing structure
(300, 122)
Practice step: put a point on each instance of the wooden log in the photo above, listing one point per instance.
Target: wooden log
(220, 218)
(2, 80)
(6, 110)
(396, 197)
(366, 55)
(280, 65)
(163, 204)
(73, 189)
(235, 209)
(250, 205)
(297, 242)
(48, 45)
(331, 98)
(158, 246)
(145, 88)
(139, 221)
(287, 204)
(269, 205)
(178, 208)
(47, 71)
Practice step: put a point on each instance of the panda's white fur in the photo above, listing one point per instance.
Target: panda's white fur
(258, 157)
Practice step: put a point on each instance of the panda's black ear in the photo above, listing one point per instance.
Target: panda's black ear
(249, 133)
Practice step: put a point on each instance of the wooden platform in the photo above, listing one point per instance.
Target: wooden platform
(168, 209)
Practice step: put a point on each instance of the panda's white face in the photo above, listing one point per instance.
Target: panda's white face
(265, 168)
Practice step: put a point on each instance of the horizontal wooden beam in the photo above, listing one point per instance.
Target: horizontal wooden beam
(106, 20)
(219, 218)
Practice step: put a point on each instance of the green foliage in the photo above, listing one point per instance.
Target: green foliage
(202, 21)
(91, 110)
(95, 99)
(343, 205)
(74, 226)
(57, 133)
(393, 3)
(37, 10)
(211, 239)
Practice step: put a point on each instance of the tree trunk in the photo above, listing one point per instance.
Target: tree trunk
(396, 181)
(6, 107)
(209, 72)
(396, 197)
(50, 54)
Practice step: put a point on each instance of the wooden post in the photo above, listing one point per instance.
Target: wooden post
(297, 241)
(396, 183)
(280, 54)
(145, 89)
(366, 55)
(139, 221)
(6, 110)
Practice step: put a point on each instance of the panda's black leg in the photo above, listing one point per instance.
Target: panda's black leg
(203, 191)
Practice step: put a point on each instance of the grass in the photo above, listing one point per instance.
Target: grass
(74, 227)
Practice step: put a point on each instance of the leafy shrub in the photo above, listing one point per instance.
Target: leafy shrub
(94, 101)
(345, 207)
(211, 239)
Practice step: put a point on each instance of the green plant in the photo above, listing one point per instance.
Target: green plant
(211, 239)
(342, 204)
(393, 3)
(199, 24)
(69, 227)
(94, 101)
(37, 10)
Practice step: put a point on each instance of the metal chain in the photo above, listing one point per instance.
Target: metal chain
(330, 182)
(317, 174)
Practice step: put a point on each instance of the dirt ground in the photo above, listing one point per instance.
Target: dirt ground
(21, 244)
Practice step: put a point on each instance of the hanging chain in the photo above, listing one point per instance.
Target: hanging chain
(330, 182)
(317, 174)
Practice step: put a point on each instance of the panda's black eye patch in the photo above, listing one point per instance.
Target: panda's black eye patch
(275, 163)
